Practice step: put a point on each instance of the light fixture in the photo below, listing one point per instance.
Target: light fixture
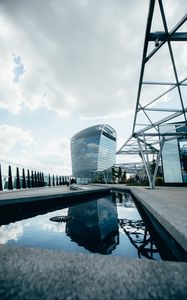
(156, 42)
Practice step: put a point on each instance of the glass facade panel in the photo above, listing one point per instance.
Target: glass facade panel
(174, 155)
(183, 152)
(170, 157)
(107, 152)
(93, 149)
(183, 156)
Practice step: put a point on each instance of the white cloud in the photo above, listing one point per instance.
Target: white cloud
(81, 59)
(10, 136)
(53, 157)
(116, 116)
(10, 232)
(43, 222)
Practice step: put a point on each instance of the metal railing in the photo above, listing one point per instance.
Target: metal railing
(16, 177)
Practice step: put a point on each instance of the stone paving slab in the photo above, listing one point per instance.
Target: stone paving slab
(45, 274)
(169, 207)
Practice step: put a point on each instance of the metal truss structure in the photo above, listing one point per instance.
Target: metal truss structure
(131, 168)
(162, 93)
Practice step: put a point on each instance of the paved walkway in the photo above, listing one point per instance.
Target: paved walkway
(45, 193)
(169, 206)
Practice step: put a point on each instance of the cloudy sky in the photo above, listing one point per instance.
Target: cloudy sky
(67, 65)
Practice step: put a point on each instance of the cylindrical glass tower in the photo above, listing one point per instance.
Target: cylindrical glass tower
(92, 149)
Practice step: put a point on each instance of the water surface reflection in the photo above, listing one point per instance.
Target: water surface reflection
(94, 225)
(108, 225)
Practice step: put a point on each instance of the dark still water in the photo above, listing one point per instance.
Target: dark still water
(107, 225)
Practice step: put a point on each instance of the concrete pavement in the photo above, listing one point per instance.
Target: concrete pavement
(169, 206)
(44, 274)
(46, 193)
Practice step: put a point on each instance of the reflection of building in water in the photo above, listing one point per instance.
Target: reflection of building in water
(123, 199)
(94, 225)
(10, 232)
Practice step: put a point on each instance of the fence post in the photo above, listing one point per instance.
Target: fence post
(17, 179)
(43, 183)
(49, 180)
(1, 185)
(53, 180)
(10, 185)
(23, 180)
(35, 180)
(38, 179)
(32, 179)
(28, 179)
(41, 179)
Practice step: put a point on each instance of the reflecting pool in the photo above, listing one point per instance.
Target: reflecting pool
(108, 225)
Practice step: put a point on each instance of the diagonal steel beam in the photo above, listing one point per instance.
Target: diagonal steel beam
(148, 27)
(177, 26)
(163, 109)
(162, 36)
(149, 118)
(162, 83)
(170, 117)
(163, 94)
(178, 133)
(172, 57)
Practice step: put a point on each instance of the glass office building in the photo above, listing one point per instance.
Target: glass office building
(92, 149)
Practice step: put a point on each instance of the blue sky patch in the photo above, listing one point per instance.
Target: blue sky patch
(18, 68)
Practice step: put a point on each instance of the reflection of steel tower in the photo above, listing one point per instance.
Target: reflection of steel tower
(94, 225)
(93, 149)
(140, 237)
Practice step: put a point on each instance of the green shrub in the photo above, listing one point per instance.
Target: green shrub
(159, 181)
